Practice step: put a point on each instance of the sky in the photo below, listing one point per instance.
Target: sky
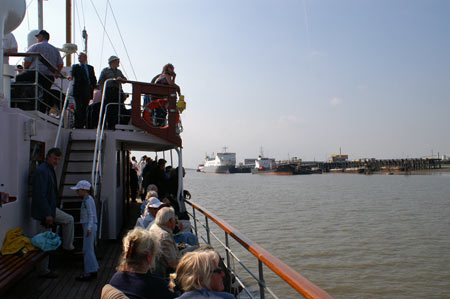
(295, 78)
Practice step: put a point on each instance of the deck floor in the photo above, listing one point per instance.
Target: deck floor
(68, 267)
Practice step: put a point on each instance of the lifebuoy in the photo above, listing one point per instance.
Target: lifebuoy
(158, 103)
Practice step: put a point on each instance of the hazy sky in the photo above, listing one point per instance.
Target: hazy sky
(298, 78)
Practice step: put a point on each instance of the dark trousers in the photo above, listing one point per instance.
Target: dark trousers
(45, 81)
(82, 98)
(111, 96)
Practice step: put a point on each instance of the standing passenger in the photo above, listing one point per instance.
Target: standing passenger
(113, 91)
(88, 219)
(46, 76)
(83, 87)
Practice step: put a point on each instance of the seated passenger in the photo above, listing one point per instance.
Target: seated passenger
(163, 227)
(149, 195)
(198, 274)
(133, 277)
(152, 207)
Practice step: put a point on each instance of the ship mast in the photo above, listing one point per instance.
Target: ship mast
(68, 29)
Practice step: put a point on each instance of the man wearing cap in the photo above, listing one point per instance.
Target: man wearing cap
(46, 75)
(113, 91)
(44, 201)
(84, 78)
(152, 208)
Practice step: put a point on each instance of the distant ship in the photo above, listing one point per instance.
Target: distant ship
(269, 166)
(220, 163)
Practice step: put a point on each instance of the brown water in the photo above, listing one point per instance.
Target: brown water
(355, 236)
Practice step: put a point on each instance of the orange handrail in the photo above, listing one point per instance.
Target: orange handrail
(301, 284)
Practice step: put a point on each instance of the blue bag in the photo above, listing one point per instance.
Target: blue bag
(47, 241)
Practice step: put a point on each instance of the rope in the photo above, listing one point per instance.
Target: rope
(121, 38)
(105, 32)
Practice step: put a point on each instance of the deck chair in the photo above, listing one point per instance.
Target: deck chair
(110, 292)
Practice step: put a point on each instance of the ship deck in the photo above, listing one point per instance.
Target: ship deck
(65, 286)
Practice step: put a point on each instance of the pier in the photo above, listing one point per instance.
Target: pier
(368, 166)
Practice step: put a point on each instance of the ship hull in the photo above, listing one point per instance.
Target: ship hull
(285, 169)
(219, 169)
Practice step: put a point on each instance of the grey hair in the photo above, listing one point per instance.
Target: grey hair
(164, 215)
(151, 186)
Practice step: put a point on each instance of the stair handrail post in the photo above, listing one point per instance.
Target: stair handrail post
(180, 180)
(97, 136)
(99, 156)
(61, 119)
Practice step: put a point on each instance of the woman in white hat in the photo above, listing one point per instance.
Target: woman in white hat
(88, 219)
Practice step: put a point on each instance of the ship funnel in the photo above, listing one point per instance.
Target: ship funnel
(11, 15)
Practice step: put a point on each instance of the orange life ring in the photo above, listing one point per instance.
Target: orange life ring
(158, 103)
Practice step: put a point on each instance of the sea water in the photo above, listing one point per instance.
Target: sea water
(355, 236)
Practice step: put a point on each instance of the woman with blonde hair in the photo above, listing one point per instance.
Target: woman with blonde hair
(133, 277)
(198, 274)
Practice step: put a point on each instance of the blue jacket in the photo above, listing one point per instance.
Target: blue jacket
(45, 191)
(88, 212)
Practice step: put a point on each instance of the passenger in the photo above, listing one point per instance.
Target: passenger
(158, 177)
(113, 92)
(134, 183)
(94, 108)
(180, 236)
(150, 193)
(163, 227)
(134, 277)
(88, 219)
(147, 175)
(173, 191)
(43, 206)
(46, 76)
(84, 83)
(198, 274)
(167, 77)
(145, 221)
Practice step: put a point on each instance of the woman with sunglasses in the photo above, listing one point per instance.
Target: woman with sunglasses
(199, 276)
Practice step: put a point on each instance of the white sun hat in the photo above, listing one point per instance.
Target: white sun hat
(85, 185)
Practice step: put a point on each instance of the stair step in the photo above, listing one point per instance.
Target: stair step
(82, 151)
(82, 140)
(78, 172)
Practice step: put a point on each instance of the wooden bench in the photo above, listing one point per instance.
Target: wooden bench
(13, 267)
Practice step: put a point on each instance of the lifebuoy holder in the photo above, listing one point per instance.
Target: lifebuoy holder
(155, 104)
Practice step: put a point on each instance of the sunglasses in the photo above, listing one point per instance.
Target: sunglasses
(218, 271)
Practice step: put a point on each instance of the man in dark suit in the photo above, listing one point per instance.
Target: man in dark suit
(83, 87)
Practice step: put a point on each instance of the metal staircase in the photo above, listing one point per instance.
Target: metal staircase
(77, 166)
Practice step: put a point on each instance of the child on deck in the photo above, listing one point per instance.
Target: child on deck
(88, 219)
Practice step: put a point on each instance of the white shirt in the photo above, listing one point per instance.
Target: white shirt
(9, 45)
